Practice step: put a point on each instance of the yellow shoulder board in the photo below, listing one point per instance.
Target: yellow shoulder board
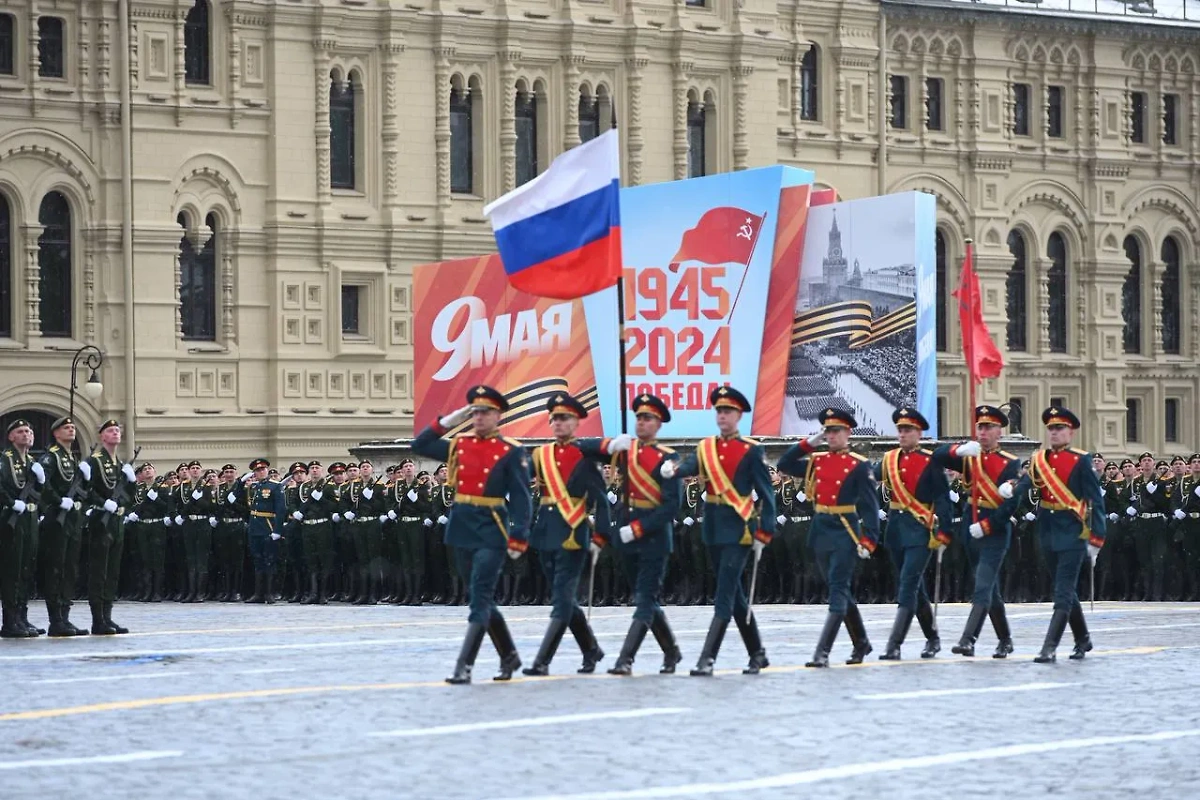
(857, 457)
(1007, 455)
(511, 442)
(1077, 451)
(749, 441)
(925, 451)
(663, 448)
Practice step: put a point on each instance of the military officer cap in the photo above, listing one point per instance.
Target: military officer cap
(1144, 456)
(729, 397)
(312, 464)
(910, 417)
(210, 473)
(1097, 456)
(194, 464)
(298, 466)
(404, 462)
(1194, 457)
(336, 468)
(990, 415)
(439, 468)
(837, 418)
(259, 462)
(1128, 461)
(390, 469)
(486, 397)
(228, 467)
(1161, 463)
(18, 423)
(1110, 465)
(1057, 415)
(147, 465)
(1177, 459)
(61, 422)
(654, 406)
(563, 403)
(182, 465)
(109, 423)
(423, 473)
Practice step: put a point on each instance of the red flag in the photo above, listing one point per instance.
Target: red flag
(982, 355)
(724, 235)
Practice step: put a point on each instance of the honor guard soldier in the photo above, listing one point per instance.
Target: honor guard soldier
(231, 532)
(734, 472)
(918, 519)
(845, 523)
(19, 476)
(292, 530)
(987, 473)
(1187, 512)
(318, 504)
(1071, 524)
(490, 516)
(110, 487)
(268, 510)
(646, 520)
(443, 501)
(61, 535)
(155, 515)
(569, 484)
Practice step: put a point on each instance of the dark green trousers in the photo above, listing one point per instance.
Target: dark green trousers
(59, 552)
(318, 548)
(197, 544)
(105, 544)
(12, 546)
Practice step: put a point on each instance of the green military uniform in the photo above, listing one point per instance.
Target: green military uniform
(197, 503)
(1187, 512)
(317, 505)
(414, 506)
(232, 513)
(442, 498)
(18, 536)
(363, 503)
(153, 507)
(110, 488)
(696, 558)
(61, 534)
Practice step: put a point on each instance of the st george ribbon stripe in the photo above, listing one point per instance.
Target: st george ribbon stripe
(851, 318)
(529, 722)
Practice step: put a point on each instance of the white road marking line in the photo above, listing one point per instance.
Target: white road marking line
(1146, 627)
(1020, 687)
(122, 758)
(104, 678)
(789, 779)
(529, 722)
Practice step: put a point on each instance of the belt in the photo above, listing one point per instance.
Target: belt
(478, 500)
(801, 519)
(163, 520)
(269, 514)
(410, 519)
(643, 504)
(1193, 514)
(316, 521)
(363, 520)
(836, 509)
(1152, 516)
(197, 517)
(231, 519)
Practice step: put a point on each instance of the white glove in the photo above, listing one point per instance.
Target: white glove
(212, 522)
(627, 534)
(816, 439)
(130, 475)
(1093, 551)
(443, 519)
(595, 549)
(1005, 490)
(296, 515)
(428, 523)
(412, 495)
(66, 504)
(941, 548)
(383, 517)
(781, 519)
(1131, 512)
(39, 472)
(456, 418)
(882, 514)
(109, 506)
(317, 495)
(1151, 487)
(349, 515)
(392, 515)
(668, 469)
(514, 555)
(1030, 516)
(754, 495)
(1196, 491)
(1179, 514)
(954, 496)
(619, 443)
(367, 493)
(801, 497)
(758, 547)
(231, 498)
(704, 496)
(612, 498)
(168, 521)
(179, 520)
(863, 552)
(153, 495)
(197, 494)
(19, 506)
(968, 449)
(591, 519)
(275, 537)
(1113, 517)
(976, 530)
(87, 513)
(86, 469)
(337, 517)
(689, 521)
(133, 517)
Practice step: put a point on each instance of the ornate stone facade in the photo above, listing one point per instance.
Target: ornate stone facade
(250, 151)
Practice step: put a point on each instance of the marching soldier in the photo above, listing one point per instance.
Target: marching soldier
(845, 524)
(490, 516)
(1071, 524)
(570, 483)
(109, 488)
(734, 471)
(985, 469)
(61, 528)
(19, 476)
(918, 521)
(646, 521)
(268, 510)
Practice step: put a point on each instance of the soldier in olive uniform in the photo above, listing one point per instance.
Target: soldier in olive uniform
(336, 490)
(1187, 512)
(110, 487)
(410, 536)
(135, 538)
(197, 503)
(19, 475)
(155, 516)
(231, 532)
(443, 501)
(314, 515)
(364, 511)
(293, 531)
(61, 531)
(1151, 529)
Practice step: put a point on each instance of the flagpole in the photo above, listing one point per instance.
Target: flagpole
(753, 245)
(971, 380)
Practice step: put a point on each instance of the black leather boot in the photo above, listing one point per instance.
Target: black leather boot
(666, 640)
(466, 656)
(65, 611)
(858, 635)
(257, 597)
(32, 629)
(100, 624)
(311, 598)
(156, 595)
(1004, 642)
(748, 628)
(323, 590)
(925, 618)
(201, 586)
(417, 599)
(9, 630)
(57, 628)
(269, 588)
(712, 646)
(1058, 623)
(966, 645)
(582, 631)
(833, 623)
(550, 643)
(510, 662)
(900, 626)
(633, 640)
(108, 618)
(1079, 630)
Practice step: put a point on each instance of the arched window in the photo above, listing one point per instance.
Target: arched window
(940, 249)
(462, 138)
(54, 265)
(589, 116)
(1171, 289)
(809, 83)
(696, 138)
(1131, 297)
(1015, 290)
(198, 284)
(1056, 285)
(343, 99)
(6, 243)
(196, 45)
(527, 134)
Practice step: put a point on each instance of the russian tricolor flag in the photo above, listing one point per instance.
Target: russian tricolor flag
(560, 234)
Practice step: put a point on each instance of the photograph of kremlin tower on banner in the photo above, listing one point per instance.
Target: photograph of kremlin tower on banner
(855, 338)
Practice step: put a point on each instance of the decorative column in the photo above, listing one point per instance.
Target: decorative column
(228, 247)
(84, 48)
(680, 141)
(922, 111)
(390, 134)
(321, 129)
(508, 118)
(741, 147)
(103, 54)
(634, 142)
(178, 297)
(441, 123)
(35, 60)
(134, 59)
(571, 96)
(180, 65)
(89, 287)
(33, 296)
(1042, 276)
(1156, 270)
(235, 64)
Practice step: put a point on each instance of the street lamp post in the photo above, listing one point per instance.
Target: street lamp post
(89, 356)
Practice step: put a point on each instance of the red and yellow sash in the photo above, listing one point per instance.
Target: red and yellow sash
(1044, 477)
(573, 510)
(710, 466)
(901, 496)
(640, 479)
(983, 485)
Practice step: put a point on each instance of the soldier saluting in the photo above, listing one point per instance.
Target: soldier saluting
(490, 516)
